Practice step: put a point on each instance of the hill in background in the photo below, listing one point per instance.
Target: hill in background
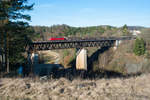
(44, 32)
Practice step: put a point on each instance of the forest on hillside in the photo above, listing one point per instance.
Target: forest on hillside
(41, 33)
(44, 32)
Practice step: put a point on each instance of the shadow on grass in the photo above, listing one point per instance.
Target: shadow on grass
(72, 74)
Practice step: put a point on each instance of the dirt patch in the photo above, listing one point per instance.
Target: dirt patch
(50, 57)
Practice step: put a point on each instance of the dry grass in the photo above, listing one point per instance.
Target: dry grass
(133, 88)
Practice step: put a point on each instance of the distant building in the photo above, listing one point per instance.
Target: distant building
(135, 32)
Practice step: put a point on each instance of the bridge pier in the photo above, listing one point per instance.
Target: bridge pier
(117, 43)
(32, 58)
(81, 59)
(35, 58)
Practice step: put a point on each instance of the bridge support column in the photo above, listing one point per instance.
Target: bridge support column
(117, 43)
(81, 60)
(32, 60)
(35, 58)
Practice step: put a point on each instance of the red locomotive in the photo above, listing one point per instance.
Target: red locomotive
(56, 39)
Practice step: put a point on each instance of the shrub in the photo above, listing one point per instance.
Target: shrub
(139, 47)
(147, 55)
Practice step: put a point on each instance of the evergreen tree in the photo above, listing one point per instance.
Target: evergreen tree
(139, 47)
(125, 30)
(13, 28)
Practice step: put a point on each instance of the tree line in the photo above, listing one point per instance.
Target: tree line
(44, 32)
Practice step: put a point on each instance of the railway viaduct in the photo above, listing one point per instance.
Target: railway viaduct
(79, 43)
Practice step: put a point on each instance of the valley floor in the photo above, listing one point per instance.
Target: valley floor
(133, 88)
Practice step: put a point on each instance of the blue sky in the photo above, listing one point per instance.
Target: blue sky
(91, 12)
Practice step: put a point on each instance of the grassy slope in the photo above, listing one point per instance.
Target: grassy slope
(132, 88)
